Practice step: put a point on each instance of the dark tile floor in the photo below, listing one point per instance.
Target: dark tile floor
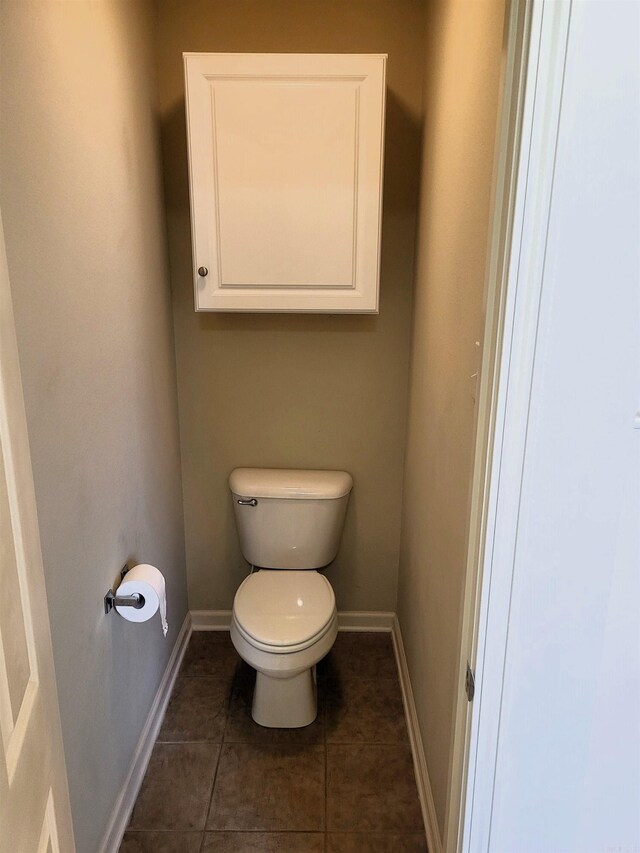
(219, 782)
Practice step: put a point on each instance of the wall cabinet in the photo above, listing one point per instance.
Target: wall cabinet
(285, 159)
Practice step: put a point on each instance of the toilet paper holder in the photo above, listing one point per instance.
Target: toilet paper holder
(112, 600)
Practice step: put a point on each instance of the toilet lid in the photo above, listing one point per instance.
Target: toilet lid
(284, 607)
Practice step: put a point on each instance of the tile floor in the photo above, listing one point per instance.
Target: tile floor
(219, 782)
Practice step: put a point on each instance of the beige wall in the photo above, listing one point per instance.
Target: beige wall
(463, 57)
(298, 390)
(82, 210)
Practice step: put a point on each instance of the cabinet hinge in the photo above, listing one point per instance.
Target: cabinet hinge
(470, 684)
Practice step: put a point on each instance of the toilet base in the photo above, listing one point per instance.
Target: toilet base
(285, 703)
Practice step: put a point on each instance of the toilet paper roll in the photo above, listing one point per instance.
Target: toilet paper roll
(147, 581)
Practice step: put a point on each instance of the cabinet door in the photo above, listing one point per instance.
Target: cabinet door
(285, 154)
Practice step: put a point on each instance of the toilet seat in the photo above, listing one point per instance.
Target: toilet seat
(284, 611)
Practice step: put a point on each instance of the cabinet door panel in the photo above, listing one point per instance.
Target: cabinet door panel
(285, 170)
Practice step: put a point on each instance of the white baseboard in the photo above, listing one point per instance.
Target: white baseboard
(434, 842)
(210, 620)
(365, 620)
(125, 802)
(355, 620)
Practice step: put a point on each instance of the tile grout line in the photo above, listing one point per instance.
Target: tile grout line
(215, 775)
(299, 743)
(382, 832)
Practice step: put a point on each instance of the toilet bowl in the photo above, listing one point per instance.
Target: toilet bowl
(283, 623)
(284, 616)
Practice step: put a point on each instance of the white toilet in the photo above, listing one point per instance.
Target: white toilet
(284, 613)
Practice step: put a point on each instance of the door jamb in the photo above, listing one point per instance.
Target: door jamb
(518, 247)
(517, 38)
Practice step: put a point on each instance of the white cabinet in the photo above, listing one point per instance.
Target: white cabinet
(285, 157)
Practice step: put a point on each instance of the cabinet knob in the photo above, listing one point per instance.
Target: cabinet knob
(203, 271)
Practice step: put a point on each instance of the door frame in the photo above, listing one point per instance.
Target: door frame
(535, 46)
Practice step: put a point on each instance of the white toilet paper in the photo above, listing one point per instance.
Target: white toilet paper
(147, 581)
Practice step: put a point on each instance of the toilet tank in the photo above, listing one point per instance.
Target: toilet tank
(289, 518)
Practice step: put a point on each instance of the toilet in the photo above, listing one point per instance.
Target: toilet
(284, 616)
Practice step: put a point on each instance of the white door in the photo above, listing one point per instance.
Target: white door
(35, 816)
(555, 751)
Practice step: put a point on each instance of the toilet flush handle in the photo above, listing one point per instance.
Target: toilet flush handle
(247, 502)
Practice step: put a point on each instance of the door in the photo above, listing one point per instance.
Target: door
(555, 743)
(35, 816)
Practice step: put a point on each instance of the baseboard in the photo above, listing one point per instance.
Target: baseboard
(348, 620)
(434, 842)
(365, 620)
(210, 620)
(125, 802)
